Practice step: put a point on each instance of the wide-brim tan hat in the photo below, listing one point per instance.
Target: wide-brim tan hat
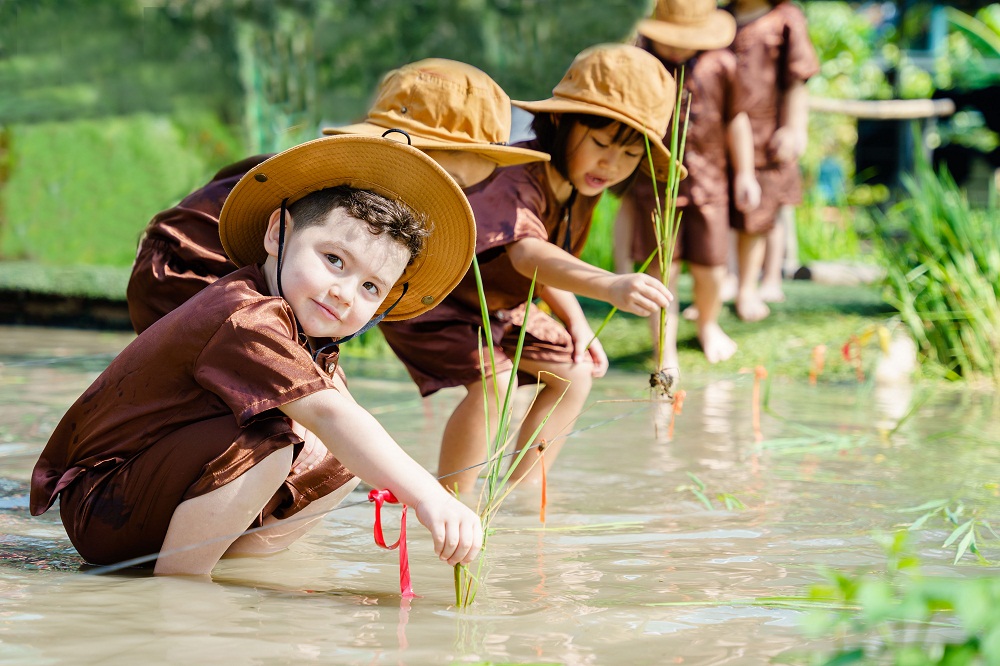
(444, 105)
(623, 83)
(383, 166)
(689, 24)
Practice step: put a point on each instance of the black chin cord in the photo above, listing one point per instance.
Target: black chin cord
(367, 327)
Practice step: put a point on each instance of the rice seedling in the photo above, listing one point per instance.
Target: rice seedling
(944, 276)
(700, 491)
(498, 483)
(968, 528)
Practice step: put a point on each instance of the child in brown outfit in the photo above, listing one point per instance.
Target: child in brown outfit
(536, 217)
(693, 34)
(775, 58)
(188, 436)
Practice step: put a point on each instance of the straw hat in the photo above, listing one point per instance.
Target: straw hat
(690, 24)
(444, 105)
(623, 83)
(384, 166)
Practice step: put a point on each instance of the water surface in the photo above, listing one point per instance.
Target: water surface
(630, 568)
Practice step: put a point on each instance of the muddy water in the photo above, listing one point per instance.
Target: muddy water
(632, 568)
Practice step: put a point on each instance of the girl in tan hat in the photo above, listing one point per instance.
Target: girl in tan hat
(533, 219)
(693, 35)
(190, 436)
(452, 111)
(774, 58)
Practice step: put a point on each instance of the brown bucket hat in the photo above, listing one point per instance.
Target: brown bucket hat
(623, 83)
(690, 24)
(384, 166)
(444, 105)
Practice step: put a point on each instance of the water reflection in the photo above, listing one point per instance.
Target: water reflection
(632, 567)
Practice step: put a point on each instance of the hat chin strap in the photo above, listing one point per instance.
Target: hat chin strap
(367, 327)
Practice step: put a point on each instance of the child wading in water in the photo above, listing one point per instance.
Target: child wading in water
(452, 111)
(693, 34)
(536, 218)
(189, 436)
(774, 60)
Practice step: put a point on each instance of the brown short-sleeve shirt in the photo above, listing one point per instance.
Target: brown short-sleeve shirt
(232, 350)
(180, 252)
(517, 202)
(772, 52)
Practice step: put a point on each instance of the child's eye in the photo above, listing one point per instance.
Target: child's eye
(632, 154)
(371, 288)
(335, 260)
(600, 144)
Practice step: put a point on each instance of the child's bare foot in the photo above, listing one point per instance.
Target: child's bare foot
(752, 308)
(690, 313)
(771, 292)
(715, 343)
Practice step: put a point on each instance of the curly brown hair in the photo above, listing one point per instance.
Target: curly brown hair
(382, 215)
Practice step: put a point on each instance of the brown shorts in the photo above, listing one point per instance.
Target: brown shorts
(703, 236)
(121, 510)
(440, 349)
(779, 185)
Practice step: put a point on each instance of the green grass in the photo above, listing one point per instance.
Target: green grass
(80, 193)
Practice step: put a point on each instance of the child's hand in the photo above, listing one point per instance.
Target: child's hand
(455, 528)
(582, 336)
(639, 294)
(746, 192)
(787, 144)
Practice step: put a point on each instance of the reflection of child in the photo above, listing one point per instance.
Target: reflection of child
(452, 111)
(693, 34)
(536, 218)
(188, 436)
(775, 59)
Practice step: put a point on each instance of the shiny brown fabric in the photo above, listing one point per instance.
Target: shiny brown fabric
(188, 406)
(715, 99)
(772, 52)
(440, 348)
(180, 252)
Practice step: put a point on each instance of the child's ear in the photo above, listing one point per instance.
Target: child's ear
(272, 234)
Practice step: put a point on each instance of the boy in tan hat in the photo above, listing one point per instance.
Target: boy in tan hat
(189, 436)
(536, 217)
(452, 111)
(693, 34)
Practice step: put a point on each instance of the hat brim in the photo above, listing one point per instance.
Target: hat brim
(662, 161)
(385, 167)
(502, 155)
(717, 32)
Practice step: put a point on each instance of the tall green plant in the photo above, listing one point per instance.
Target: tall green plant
(498, 483)
(943, 275)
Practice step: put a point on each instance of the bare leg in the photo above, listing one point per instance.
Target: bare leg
(749, 305)
(573, 378)
(730, 283)
(708, 282)
(215, 516)
(775, 255)
(464, 442)
(281, 533)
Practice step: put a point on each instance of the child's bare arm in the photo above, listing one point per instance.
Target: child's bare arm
(364, 447)
(565, 306)
(746, 189)
(637, 293)
(789, 140)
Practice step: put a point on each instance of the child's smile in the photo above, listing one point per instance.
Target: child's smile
(334, 275)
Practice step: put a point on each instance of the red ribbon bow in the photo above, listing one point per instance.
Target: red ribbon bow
(380, 497)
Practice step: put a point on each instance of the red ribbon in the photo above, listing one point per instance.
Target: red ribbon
(380, 497)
